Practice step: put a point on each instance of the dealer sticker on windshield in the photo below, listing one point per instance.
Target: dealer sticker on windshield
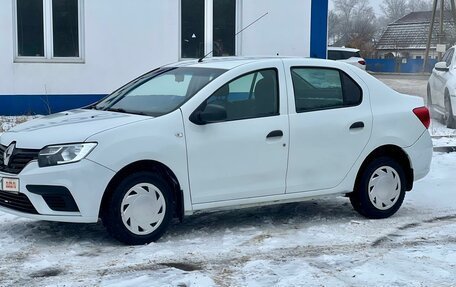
(10, 185)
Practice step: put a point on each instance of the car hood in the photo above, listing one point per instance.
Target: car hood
(66, 127)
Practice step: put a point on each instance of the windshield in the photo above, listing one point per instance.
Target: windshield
(160, 91)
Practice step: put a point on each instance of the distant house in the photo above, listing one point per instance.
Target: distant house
(407, 37)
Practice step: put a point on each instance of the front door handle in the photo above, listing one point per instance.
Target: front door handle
(357, 125)
(275, 134)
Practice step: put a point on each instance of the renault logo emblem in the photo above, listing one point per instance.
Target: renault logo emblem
(8, 153)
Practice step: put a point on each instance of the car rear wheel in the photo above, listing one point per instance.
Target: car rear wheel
(380, 191)
(139, 210)
(449, 117)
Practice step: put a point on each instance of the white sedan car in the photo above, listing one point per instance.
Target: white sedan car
(221, 133)
(441, 91)
(347, 55)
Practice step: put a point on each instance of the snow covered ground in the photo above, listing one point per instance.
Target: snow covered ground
(314, 243)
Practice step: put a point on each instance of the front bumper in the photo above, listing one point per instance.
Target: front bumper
(86, 181)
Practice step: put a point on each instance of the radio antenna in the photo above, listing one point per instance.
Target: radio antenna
(248, 26)
(200, 60)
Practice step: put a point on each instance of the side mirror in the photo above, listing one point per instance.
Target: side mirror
(442, 67)
(211, 114)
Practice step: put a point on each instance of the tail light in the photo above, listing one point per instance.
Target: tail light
(362, 63)
(423, 115)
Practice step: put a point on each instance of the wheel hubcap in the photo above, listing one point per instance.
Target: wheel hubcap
(384, 187)
(143, 209)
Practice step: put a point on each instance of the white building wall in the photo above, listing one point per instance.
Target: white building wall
(124, 39)
(121, 41)
(285, 30)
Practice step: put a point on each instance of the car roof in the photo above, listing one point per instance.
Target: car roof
(343, 49)
(229, 63)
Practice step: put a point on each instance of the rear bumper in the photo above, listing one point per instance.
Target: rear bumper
(420, 154)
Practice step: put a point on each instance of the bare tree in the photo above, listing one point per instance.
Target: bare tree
(394, 9)
(419, 5)
(333, 27)
(353, 24)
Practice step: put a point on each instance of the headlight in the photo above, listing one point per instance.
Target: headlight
(62, 154)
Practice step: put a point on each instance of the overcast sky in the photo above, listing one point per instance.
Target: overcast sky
(374, 3)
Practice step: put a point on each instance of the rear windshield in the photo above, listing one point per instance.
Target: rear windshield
(342, 55)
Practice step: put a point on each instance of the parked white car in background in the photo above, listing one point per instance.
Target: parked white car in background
(441, 90)
(347, 55)
(223, 133)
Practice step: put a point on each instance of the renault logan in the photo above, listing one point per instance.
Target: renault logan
(221, 133)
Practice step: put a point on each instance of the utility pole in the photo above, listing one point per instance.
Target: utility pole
(442, 15)
(431, 27)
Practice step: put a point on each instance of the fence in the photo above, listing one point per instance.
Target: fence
(399, 65)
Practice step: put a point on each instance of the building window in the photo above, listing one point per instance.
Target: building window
(30, 28)
(48, 30)
(208, 27)
(192, 28)
(224, 28)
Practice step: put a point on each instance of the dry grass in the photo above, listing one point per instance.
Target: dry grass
(7, 123)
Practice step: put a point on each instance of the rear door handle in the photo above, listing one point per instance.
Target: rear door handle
(275, 134)
(357, 125)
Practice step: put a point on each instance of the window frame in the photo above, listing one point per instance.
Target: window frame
(275, 69)
(209, 28)
(49, 37)
(342, 86)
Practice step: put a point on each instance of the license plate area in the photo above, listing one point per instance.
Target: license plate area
(10, 185)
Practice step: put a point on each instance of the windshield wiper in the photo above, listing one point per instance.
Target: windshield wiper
(123, 111)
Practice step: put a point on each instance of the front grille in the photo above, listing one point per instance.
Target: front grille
(18, 202)
(19, 159)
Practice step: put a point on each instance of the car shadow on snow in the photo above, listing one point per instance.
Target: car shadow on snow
(57, 233)
(291, 215)
(311, 212)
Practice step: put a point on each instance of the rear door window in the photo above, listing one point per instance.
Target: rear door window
(335, 55)
(349, 55)
(323, 88)
(342, 55)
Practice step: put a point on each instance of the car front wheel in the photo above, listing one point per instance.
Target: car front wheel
(380, 191)
(139, 210)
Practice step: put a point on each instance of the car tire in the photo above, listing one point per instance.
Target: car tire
(380, 191)
(139, 210)
(429, 102)
(449, 117)
(428, 97)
